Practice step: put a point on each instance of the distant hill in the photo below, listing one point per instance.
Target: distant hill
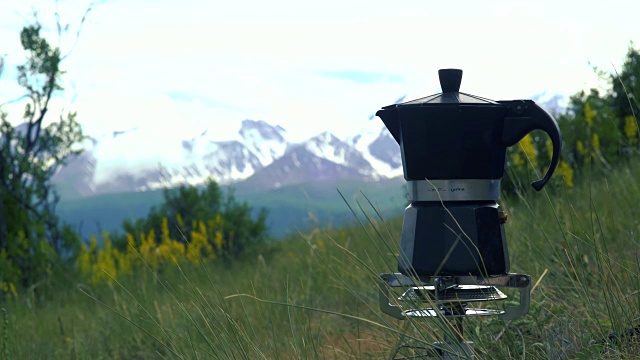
(300, 206)
(94, 214)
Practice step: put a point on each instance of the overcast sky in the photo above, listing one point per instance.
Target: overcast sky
(179, 67)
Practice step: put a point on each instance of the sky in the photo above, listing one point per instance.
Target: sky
(179, 67)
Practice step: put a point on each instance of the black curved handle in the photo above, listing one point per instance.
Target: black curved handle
(524, 116)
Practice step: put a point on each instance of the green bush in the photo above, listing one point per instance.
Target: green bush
(185, 207)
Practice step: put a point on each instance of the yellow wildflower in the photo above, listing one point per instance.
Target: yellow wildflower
(589, 114)
(180, 221)
(595, 142)
(199, 246)
(123, 260)
(164, 236)
(529, 149)
(549, 146)
(218, 240)
(8, 288)
(104, 264)
(86, 257)
(131, 240)
(148, 250)
(580, 148)
(631, 129)
(565, 171)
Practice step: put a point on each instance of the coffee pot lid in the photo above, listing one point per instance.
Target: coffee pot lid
(450, 80)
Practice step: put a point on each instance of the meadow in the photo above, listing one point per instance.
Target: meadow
(314, 294)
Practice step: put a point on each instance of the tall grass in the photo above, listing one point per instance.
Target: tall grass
(314, 295)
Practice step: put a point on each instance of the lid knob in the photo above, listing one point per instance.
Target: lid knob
(450, 80)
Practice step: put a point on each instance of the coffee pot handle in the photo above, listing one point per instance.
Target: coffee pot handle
(524, 116)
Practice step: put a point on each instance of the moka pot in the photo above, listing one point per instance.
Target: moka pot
(453, 149)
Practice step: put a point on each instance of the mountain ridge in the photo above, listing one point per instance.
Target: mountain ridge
(261, 155)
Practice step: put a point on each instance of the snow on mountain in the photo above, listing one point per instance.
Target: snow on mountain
(320, 158)
(328, 146)
(256, 145)
(265, 141)
(379, 149)
(230, 161)
(135, 159)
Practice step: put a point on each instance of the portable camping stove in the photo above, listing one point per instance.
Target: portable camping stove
(448, 298)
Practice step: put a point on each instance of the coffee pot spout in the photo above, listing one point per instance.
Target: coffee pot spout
(391, 120)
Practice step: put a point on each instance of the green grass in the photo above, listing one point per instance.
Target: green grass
(314, 295)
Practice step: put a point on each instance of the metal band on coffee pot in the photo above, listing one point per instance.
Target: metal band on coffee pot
(454, 190)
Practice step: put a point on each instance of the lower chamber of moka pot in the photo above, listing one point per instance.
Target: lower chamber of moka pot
(456, 238)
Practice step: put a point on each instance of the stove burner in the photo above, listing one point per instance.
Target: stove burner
(453, 294)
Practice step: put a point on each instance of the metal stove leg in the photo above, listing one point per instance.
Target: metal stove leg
(386, 306)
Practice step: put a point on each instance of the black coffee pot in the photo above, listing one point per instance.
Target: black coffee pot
(453, 154)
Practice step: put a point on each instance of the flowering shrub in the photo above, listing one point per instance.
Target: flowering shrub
(192, 225)
(104, 263)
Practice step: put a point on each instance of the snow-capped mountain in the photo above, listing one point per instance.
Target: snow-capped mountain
(320, 158)
(258, 154)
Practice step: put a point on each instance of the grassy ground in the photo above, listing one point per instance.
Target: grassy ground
(315, 295)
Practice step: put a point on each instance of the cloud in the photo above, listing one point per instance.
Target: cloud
(181, 67)
(361, 77)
